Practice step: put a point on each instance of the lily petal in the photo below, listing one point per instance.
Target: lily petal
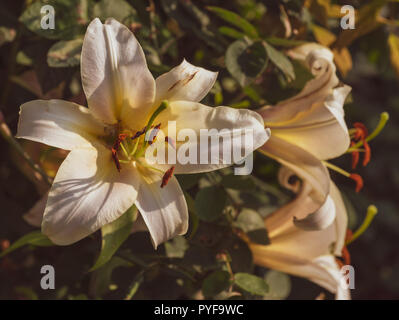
(314, 119)
(341, 221)
(236, 124)
(184, 82)
(58, 123)
(164, 210)
(304, 164)
(320, 219)
(322, 270)
(87, 193)
(115, 76)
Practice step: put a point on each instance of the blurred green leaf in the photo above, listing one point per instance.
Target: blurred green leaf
(65, 53)
(279, 285)
(215, 283)
(176, 247)
(246, 60)
(190, 17)
(251, 283)
(235, 20)
(230, 32)
(253, 225)
(114, 235)
(238, 182)
(101, 278)
(280, 61)
(67, 18)
(120, 10)
(210, 202)
(35, 238)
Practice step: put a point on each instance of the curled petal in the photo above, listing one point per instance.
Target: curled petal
(184, 82)
(320, 219)
(314, 119)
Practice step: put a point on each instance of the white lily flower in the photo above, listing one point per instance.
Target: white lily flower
(99, 180)
(308, 254)
(310, 127)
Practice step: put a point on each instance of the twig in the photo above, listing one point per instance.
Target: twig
(7, 135)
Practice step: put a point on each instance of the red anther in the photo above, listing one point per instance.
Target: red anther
(339, 262)
(359, 181)
(346, 255)
(171, 142)
(4, 244)
(114, 153)
(355, 156)
(139, 133)
(166, 177)
(361, 131)
(367, 153)
(153, 134)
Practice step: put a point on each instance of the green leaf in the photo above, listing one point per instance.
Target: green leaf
(120, 10)
(191, 18)
(65, 53)
(280, 61)
(246, 60)
(230, 32)
(210, 202)
(101, 279)
(113, 236)
(284, 42)
(253, 225)
(35, 238)
(279, 283)
(235, 20)
(176, 247)
(237, 182)
(251, 283)
(215, 283)
(68, 18)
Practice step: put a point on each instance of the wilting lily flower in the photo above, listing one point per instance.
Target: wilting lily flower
(310, 127)
(308, 254)
(106, 171)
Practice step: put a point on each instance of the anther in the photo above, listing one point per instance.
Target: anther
(367, 153)
(116, 159)
(358, 179)
(153, 134)
(139, 133)
(166, 177)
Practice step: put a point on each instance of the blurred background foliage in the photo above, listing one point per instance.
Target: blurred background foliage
(245, 40)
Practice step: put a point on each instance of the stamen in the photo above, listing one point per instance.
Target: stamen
(354, 176)
(168, 174)
(361, 131)
(371, 212)
(116, 159)
(153, 134)
(384, 117)
(355, 157)
(358, 179)
(139, 133)
(367, 153)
